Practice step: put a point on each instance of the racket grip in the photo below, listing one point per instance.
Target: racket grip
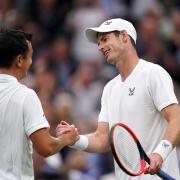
(164, 175)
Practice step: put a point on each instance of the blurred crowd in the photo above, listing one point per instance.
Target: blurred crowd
(68, 73)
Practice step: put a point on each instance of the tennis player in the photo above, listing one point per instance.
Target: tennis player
(141, 96)
(22, 120)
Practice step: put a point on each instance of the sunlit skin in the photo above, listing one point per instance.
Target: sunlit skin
(118, 51)
(110, 46)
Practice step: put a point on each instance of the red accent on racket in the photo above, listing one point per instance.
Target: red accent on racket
(128, 152)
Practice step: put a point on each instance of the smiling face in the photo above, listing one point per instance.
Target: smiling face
(112, 45)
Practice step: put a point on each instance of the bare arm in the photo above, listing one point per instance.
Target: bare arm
(99, 140)
(93, 142)
(172, 115)
(47, 145)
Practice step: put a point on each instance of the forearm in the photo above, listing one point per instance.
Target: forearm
(172, 115)
(172, 133)
(97, 143)
(47, 145)
(54, 146)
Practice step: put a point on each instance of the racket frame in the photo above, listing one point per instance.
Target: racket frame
(141, 151)
(143, 156)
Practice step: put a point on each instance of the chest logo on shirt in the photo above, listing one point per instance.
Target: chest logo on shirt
(131, 91)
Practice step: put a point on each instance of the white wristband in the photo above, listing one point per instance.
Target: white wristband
(81, 144)
(164, 148)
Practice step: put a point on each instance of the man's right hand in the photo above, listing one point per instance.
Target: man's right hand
(67, 133)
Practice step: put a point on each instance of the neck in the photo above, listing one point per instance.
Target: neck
(9, 72)
(127, 64)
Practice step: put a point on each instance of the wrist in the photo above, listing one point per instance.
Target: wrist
(81, 144)
(164, 148)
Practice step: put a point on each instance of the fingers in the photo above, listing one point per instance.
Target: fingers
(67, 133)
(72, 125)
(155, 163)
(62, 131)
(153, 168)
(64, 128)
(64, 123)
(69, 136)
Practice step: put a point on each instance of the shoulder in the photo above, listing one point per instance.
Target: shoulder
(26, 90)
(20, 91)
(31, 100)
(111, 83)
(156, 76)
(152, 68)
(29, 94)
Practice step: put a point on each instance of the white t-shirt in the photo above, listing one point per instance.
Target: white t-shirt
(21, 114)
(137, 102)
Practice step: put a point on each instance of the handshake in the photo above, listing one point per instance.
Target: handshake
(69, 135)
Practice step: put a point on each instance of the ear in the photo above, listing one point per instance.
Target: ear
(19, 61)
(125, 36)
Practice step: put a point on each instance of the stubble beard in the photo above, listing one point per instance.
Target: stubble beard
(111, 61)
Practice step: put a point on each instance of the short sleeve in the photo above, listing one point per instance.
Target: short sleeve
(161, 88)
(33, 114)
(103, 115)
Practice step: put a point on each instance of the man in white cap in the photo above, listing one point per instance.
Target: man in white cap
(141, 96)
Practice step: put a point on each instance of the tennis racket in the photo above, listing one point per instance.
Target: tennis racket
(129, 153)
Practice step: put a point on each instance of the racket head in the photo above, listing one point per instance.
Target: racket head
(127, 150)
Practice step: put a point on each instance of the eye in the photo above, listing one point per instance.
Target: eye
(105, 38)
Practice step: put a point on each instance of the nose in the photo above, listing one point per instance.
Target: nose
(100, 47)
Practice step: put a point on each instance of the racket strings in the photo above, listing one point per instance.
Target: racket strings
(127, 150)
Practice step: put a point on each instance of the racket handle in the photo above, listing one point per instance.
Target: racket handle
(164, 175)
(160, 173)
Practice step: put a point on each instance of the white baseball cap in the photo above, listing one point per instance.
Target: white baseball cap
(117, 24)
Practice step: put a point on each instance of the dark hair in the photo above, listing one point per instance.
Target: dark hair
(116, 33)
(12, 43)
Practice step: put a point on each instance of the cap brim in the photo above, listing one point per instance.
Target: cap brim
(91, 33)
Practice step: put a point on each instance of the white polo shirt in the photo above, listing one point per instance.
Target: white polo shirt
(21, 114)
(137, 102)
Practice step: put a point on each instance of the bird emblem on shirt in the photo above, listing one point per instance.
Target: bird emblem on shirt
(131, 91)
